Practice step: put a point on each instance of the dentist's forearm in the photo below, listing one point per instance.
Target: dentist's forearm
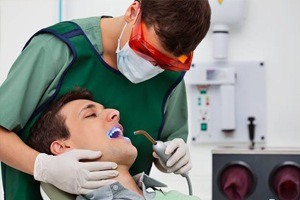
(15, 153)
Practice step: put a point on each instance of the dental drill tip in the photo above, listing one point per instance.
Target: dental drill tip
(142, 132)
(136, 132)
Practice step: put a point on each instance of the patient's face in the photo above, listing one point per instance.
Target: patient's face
(93, 127)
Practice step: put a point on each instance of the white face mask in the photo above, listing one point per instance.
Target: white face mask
(133, 67)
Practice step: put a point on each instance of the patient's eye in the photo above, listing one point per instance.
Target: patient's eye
(91, 115)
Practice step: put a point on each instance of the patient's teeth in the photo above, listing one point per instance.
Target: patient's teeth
(115, 132)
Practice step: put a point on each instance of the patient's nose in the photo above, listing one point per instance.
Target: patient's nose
(113, 115)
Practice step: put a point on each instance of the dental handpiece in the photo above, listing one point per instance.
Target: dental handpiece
(159, 148)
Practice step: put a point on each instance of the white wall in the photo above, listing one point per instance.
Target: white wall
(271, 33)
(19, 19)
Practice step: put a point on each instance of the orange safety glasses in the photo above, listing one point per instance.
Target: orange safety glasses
(148, 52)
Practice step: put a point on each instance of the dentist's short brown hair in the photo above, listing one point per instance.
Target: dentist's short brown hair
(180, 24)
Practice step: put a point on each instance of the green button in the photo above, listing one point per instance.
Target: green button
(203, 92)
(203, 126)
(199, 101)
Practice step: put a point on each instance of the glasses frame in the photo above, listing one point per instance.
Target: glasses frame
(145, 50)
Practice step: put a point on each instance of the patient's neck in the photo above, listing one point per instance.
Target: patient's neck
(127, 180)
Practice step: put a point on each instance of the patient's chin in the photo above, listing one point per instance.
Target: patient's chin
(128, 160)
(124, 159)
(129, 156)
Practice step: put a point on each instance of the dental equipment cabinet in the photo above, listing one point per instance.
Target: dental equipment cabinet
(224, 95)
(227, 106)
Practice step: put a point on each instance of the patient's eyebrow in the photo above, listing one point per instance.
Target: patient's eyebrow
(86, 107)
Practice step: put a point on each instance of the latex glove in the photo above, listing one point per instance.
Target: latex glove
(180, 161)
(67, 173)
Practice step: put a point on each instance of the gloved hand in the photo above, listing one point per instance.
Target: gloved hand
(180, 161)
(67, 173)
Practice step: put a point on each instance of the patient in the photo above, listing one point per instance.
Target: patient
(75, 121)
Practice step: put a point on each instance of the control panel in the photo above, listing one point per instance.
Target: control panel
(224, 99)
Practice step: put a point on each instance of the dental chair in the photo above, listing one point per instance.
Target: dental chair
(50, 192)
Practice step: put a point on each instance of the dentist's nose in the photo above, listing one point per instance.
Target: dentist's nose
(113, 115)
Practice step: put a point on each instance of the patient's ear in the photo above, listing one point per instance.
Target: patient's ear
(58, 147)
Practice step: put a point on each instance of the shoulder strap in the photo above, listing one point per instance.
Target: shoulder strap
(62, 30)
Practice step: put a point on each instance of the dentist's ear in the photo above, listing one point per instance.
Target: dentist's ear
(132, 11)
(58, 147)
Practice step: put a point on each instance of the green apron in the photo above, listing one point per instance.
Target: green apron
(141, 105)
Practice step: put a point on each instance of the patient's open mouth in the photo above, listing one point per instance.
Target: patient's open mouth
(115, 132)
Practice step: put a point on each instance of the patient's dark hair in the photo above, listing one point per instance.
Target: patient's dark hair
(51, 125)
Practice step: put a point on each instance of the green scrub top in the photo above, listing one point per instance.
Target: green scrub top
(35, 74)
(38, 69)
